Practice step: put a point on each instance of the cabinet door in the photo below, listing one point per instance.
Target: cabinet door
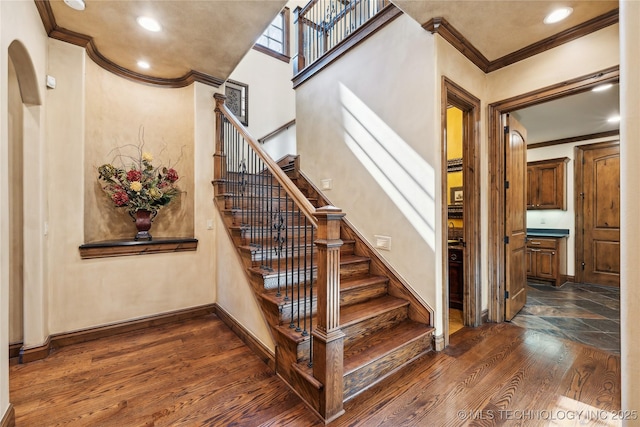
(545, 184)
(550, 188)
(456, 279)
(531, 270)
(545, 264)
(531, 187)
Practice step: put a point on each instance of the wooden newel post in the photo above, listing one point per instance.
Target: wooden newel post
(219, 158)
(328, 339)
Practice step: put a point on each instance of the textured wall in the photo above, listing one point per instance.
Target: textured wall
(117, 111)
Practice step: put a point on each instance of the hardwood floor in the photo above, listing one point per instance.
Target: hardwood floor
(198, 373)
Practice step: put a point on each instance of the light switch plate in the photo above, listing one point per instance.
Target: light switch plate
(383, 242)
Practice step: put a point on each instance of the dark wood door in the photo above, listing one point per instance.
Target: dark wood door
(515, 217)
(600, 212)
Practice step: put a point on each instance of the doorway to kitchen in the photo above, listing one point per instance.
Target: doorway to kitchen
(498, 197)
(461, 208)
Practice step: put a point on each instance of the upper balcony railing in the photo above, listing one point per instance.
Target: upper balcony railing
(323, 24)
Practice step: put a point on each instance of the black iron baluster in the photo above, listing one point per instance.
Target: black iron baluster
(287, 271)
(306, 266)
(296, 238)
(313, 246)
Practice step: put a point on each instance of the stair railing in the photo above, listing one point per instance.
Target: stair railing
(294, 245)
(323, 24)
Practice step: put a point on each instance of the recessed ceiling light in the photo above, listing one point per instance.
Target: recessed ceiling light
(603, 87)
(613, 119)
(75, 4)
(149, 24)
(558, 15)
(144, 64)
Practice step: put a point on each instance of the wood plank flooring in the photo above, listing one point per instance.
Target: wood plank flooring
(198, 373)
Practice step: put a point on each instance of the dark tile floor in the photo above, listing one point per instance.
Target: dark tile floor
(589, 314)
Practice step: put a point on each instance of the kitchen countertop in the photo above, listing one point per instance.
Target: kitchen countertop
(548, 232)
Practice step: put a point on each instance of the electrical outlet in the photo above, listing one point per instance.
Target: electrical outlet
(543, 221)
(326, 184)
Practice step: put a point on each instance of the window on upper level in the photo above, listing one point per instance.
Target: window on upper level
(275, 40)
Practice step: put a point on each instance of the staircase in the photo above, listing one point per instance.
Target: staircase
(385, 325)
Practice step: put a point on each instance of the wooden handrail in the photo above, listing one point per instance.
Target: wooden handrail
(277, 131)
(294, 192)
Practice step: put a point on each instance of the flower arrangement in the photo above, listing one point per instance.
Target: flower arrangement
(139, 186)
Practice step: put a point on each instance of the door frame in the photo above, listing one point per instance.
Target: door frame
(578, 187)
(455, 95)
(497, 196)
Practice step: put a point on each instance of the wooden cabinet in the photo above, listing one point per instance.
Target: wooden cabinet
(456, 278)
(543, 259)
(546, 182)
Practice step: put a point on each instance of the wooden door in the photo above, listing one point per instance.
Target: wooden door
(600, 214)
(515, 217)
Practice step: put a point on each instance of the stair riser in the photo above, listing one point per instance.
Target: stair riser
(290, 278)
(373, 325)
(347, 249)
(263, 204)
(354, 296)
(368, 375)
(354, 269)
(260, 190)
(270, 256)
(260, 237)
(264, 219)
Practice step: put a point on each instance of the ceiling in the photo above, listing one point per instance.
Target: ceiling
(208, 38)
(585, 113)
(497, 28)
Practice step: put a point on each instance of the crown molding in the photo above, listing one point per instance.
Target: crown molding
(85, 41)
(607, 134)
(448, 32)
(442, 27)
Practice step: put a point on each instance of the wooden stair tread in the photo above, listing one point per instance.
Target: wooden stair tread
(353, 259)
(356, 313)
(271, 295)
(361, 282)
(382, 343)
(293, 335)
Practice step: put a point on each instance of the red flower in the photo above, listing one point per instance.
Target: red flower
(134, 175)
(120, 198)
(172, 175)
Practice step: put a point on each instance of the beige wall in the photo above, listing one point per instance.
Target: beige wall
(120, 113)
(86, 293)
(16, 203)
(630, 203)
(19, 20)
(592, 53)
(452, 64)
(395, 102)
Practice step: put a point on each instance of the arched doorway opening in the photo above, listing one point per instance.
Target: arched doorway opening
(24, 195)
